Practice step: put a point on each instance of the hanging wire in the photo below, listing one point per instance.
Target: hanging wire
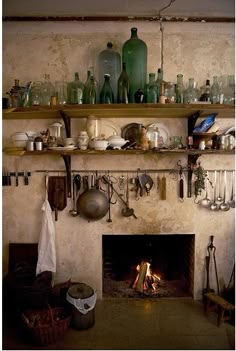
(162, 33)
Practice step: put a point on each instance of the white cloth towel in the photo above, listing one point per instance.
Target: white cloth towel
(83, 305)
(46, 246)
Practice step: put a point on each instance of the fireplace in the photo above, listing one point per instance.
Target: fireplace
(170, 257)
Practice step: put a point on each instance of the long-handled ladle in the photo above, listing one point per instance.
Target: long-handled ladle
(231, 202)
(224, 206)
(214, 206)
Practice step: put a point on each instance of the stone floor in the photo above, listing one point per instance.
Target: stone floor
(139, 324)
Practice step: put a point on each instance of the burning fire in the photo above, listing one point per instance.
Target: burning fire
(145, 278)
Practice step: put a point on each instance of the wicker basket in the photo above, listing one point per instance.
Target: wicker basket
(46, 326)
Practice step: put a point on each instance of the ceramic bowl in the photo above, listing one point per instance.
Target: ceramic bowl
(19, 136)
(100, 144)
(116, 141)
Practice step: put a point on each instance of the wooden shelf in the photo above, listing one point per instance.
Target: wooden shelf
(8, 151)
(119, 110)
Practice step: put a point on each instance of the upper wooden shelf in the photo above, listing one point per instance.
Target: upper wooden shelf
(119, 110)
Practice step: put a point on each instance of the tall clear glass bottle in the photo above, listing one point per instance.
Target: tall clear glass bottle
(134, 54)
(75, 90)
(106, 95)
(91, 88)
(180, 89)
(123, 86)
(109, 62)
(151, 89)
(191, 93)
(159, 80)
(47, 90)
(215, 91)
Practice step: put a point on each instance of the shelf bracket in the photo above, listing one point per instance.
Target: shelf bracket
(67, 161)
(67, 122)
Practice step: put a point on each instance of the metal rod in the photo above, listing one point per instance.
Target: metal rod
(159, 170)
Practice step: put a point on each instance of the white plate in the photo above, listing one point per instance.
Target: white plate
(61, 148)
(164, 132)
(108, 129)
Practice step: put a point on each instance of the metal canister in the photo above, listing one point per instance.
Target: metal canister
(30, 145)
(222, 142)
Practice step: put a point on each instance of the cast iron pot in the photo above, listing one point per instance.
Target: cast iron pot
(92, 204)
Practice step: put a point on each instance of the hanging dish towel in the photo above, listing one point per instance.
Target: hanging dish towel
(46, 246)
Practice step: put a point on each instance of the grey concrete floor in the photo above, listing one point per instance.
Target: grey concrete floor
(141, 324)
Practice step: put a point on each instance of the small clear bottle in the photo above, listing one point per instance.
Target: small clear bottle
(151, 89)
(180, 89)
(215, 91)
(47, 90)
(106, 95)
(159, 80)
(123, 86)
(75, 90)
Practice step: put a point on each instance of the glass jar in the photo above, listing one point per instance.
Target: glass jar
(134, 54)
(93, 127)
(215, 91)
(47, 90)
(170, 94)
(35, 93)
(153, 136)
(61, 92)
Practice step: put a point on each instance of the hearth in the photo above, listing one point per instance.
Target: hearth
(170, 258)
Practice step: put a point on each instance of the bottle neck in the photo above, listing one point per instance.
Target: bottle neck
(76, 76)
(179, 79)
(151, 78)
(134, 33)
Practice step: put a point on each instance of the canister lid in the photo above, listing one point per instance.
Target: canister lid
(80, 291)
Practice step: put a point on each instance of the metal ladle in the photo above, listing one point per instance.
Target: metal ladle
(224, 206)
(214, 206)
(205, 202)
(231, 202)
(219, 199)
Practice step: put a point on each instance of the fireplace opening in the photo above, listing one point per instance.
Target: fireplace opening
(153, 265)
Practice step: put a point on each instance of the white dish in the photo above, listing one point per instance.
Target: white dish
(108, 129)
(164, 132)
(61, 148)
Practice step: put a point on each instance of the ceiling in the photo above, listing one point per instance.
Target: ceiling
(64, 8)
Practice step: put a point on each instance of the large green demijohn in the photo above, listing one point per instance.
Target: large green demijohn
(134, 54)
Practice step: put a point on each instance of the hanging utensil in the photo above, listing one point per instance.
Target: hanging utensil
(224, 206)
(231, 202)
(219, 199)
(214, 206)
(74, 212)
(211, 247)
(181, 185)
(163, 188)
(205, 202)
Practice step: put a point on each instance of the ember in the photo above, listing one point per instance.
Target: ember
(145, 280)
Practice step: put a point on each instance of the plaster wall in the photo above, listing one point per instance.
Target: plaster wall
(197, 50)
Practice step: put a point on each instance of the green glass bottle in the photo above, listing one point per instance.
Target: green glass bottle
(134, 54)
(75, 91)
(151, 89)
(91, 88)
(106, 95)
(180, 89)
(123, 86)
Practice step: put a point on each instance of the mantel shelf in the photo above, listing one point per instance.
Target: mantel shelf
(119, 110)
(12, 152)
